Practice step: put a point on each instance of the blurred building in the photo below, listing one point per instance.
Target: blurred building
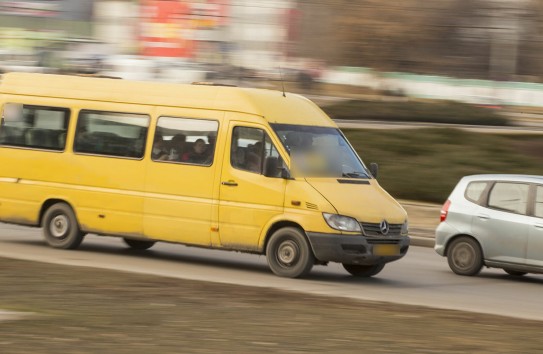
(240, 32)
(69, 17)
(116, 22)
(217, 31)
(485, 39)
(35, 33)
(259, 32)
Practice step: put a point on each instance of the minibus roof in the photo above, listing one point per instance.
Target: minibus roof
(272, 105)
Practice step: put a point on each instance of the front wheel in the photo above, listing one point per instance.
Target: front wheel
(60, 227)
(465, 256)
(138, 244)
(364, 271)
(289, 254)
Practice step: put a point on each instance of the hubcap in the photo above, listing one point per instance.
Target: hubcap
(463, 256)
(287, 252)
(59, 226)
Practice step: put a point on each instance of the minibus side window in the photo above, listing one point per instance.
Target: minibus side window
(111, 133)
(253, 151)
(185, 140)
(36, 127)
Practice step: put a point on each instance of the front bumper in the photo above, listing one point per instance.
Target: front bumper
(357, 249)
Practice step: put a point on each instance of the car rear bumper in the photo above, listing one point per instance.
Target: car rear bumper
(444, 232)
(357, 249)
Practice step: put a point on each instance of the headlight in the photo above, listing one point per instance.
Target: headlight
(405, 228)
(342, 223)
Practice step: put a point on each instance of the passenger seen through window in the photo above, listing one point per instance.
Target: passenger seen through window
(198, 153)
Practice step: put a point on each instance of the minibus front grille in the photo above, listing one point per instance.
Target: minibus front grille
(374, 230)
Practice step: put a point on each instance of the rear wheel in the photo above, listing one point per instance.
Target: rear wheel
(465, 256)
(288, 253)
(60, 227)
(363, 271)
(138, 244)
(515, 272)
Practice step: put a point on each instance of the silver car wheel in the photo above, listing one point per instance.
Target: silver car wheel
(465, 256)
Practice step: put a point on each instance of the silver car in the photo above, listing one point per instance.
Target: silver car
(494, 221)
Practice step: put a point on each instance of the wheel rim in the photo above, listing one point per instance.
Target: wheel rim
(59, 226)
(288, 253)
(463, 256)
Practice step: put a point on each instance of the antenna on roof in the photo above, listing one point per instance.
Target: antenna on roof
(282, 83)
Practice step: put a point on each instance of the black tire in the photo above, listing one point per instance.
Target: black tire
(60, 227)
(465, 256)
(516, 273)
(138, 244)
(289, 254)
(363, 271)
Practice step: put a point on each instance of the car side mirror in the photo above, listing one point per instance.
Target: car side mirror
(374, 169)
(285, 174)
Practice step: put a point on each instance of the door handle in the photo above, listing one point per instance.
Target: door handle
(483, 216)
(539, 226)
(229, 183)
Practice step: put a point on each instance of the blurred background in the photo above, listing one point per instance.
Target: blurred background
(459, 62)
(467, 50)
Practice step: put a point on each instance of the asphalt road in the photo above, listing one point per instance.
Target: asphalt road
(421, 278)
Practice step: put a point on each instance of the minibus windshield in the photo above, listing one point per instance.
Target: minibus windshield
(319, 152)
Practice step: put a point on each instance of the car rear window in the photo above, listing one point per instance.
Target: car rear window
(475, 190)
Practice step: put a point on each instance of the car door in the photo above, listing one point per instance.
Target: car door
(248, 198)
(534, 255)
(502, 225)
(179, 194)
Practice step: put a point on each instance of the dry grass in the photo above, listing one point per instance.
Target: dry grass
(84, 310)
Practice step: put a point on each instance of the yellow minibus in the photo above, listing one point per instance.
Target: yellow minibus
(230, 168)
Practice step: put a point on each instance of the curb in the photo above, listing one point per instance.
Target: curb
(422, 241)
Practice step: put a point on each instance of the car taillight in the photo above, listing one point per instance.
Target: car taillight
(445, 210)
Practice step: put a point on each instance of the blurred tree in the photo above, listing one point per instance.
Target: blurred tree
(370, 33)
(498, 39)
(531, 45)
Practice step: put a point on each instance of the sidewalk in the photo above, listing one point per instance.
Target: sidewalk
(423, 220)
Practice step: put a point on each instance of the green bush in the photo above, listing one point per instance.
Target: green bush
(425, 164)
(412, 111)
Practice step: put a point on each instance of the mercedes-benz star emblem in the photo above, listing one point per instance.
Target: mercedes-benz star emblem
(384, 227)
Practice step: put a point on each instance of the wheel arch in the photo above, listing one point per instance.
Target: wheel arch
(49, 203)
(450, 241)
(279, 225)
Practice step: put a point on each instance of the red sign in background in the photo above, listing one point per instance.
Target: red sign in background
(169, 27)
(165, 29)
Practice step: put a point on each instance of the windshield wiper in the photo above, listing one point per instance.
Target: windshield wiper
(353, 175)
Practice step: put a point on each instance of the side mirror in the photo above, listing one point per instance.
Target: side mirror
(285, 174)
(374, 169)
